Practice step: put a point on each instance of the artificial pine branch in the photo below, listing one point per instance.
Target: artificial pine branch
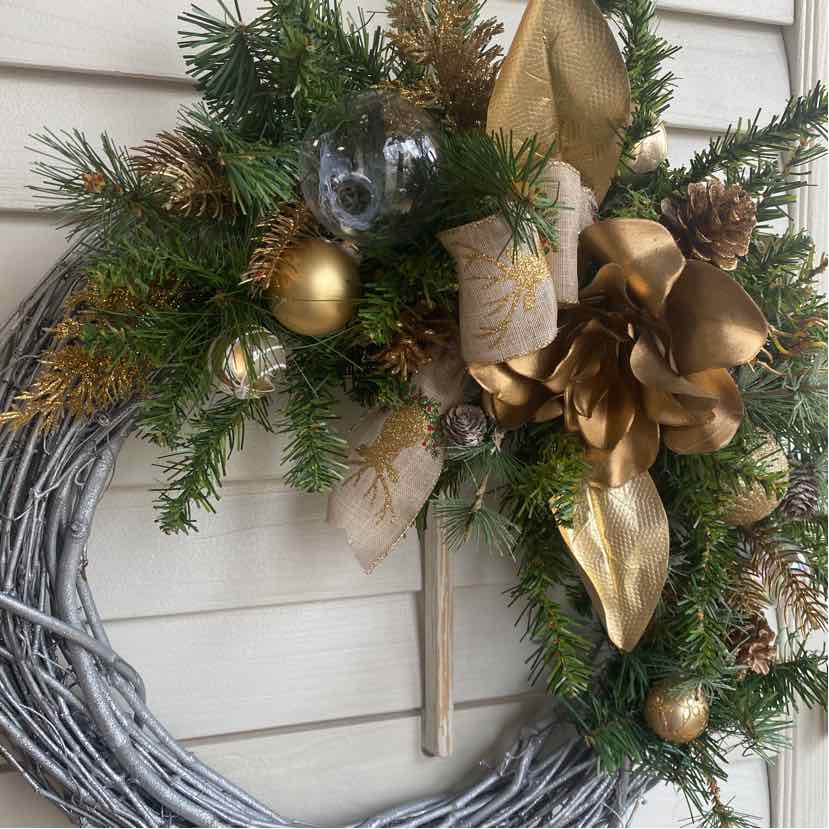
(748, 143)
(780, 565)
(98, 193)
(315, 454)
(205, 169)
(644, 52)
(561, 658)
(482, 174)
(195, 470)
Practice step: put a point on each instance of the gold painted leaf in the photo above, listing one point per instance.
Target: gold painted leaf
(565, 81)
(714, 323)
(620, 540)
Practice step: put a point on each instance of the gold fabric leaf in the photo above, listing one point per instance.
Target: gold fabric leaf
(620, 540)
(564, 80)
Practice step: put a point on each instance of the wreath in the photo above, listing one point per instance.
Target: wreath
(570, 351)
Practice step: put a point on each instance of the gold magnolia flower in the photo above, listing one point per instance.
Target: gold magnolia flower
(643, 355)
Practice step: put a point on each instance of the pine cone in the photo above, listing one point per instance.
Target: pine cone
(465, 425)
(803, 496)
(409, 350)
(713, 222)
(759, 652)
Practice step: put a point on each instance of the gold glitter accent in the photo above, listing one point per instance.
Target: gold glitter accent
(70, 378)
(405, 428)
(526, 272)
(72, 381)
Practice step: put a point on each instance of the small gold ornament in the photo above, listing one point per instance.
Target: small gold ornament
(316, 290)
(753, 502)
(676, 710)
(650, 152)
(245, 367)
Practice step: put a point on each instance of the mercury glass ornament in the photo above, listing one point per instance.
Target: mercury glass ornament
(366, 163)
(245, 367)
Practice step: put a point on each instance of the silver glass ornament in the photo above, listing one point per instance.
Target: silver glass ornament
(366, 163)
(246, 367)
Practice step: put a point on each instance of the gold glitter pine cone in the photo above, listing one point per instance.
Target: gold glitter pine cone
(713, 222)
(411, 349)
(759, 652)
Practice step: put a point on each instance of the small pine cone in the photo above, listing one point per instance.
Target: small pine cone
(803, 496)
(465, 425)
(759, 652)
(713, 222)
(410, 349)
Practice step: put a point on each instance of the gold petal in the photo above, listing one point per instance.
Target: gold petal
(650, 369)
(632, 455)
(564, 81)
(582, 361)
(609, 281)
(550, 410)
(508, 417)
(611, 417)
(620, 539)
(646, 250)
(714, 323)
(664, 408)
(538, 364)
(499, 380)
(718, 431)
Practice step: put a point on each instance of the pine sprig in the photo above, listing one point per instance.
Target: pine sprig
(749, 143)
(483, 174)
(780, 565)
(205, 169)
(98, 193)
(562, 656)
(194, 472)
(315, 454)
(644, 52)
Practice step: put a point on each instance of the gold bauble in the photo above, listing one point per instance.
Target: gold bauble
(316, 289)
(676, 711)
(650, 152)
(752, 503)
(246, 366)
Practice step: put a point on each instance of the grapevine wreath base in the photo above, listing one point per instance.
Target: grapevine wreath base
(76, 713)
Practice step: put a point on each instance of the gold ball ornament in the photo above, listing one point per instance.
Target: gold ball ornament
(676, 711)
(245, 367)
(752, 503)
(316, 290)
(650, 152)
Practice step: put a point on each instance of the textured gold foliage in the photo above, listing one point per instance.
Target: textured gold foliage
(73, 380)
(276, 233)
(778, 565)
(192, 174)
(456, 51)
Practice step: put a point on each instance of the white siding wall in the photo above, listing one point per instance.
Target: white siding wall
(261, 641)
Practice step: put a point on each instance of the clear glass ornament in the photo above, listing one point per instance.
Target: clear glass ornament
(366, 163)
